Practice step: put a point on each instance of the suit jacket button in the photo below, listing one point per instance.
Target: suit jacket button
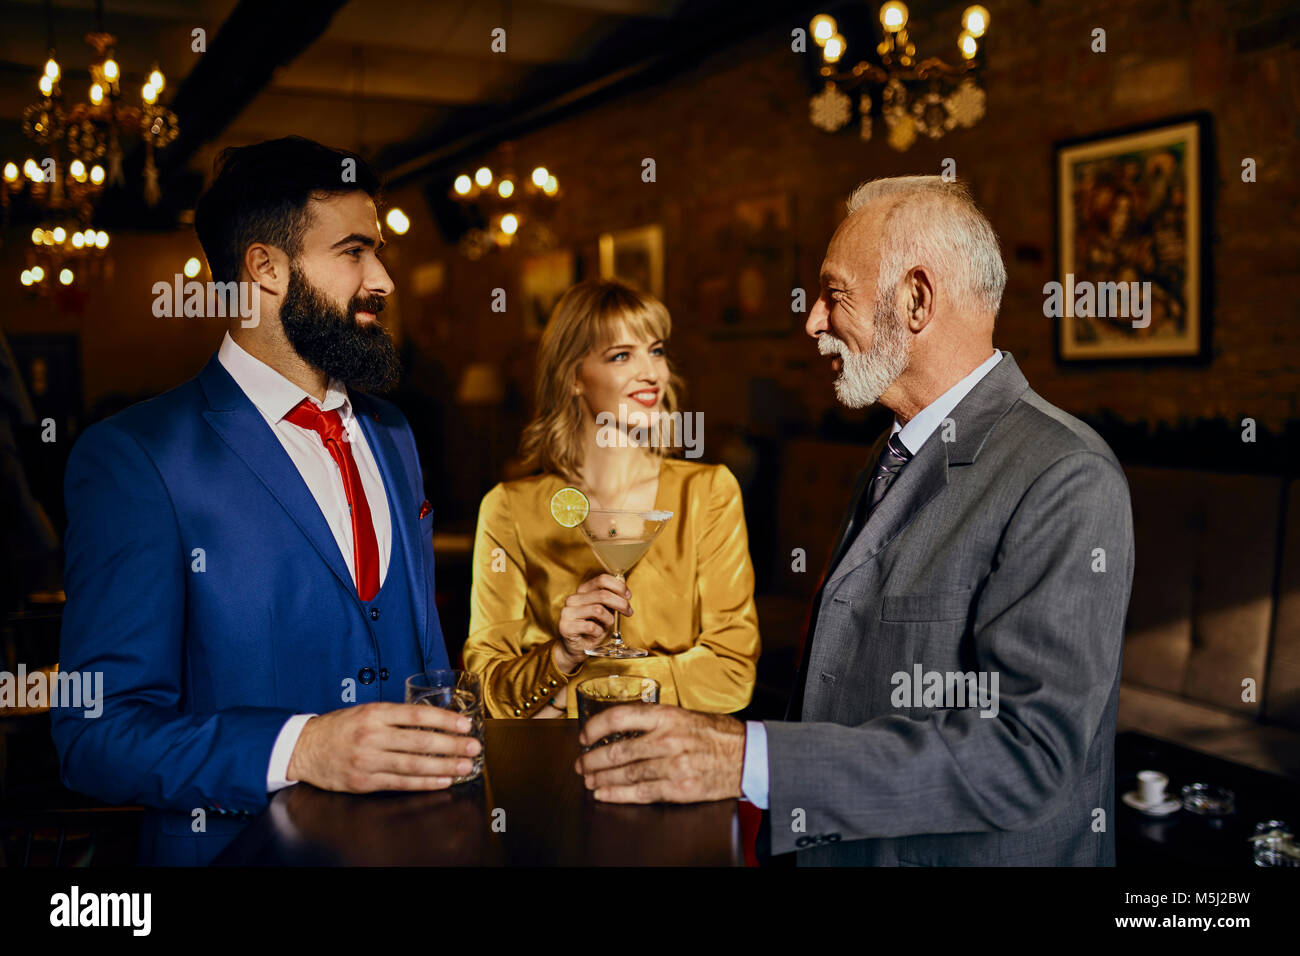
(383, 673)
(366, 675)
(374, 614)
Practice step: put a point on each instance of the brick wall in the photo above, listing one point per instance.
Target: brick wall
(735, 127)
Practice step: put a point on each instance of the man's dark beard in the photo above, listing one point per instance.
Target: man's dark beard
(360, 356)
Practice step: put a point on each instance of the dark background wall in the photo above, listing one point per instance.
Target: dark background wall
(733, 127)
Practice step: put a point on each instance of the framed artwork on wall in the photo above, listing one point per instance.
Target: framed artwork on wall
(542, 280)
(1132, 229)
(635, 256)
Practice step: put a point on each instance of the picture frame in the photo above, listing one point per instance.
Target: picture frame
(636, 256)
(1133, 269)
(543, 279)
(49, 364)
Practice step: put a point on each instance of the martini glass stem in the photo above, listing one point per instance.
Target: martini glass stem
(618, 637)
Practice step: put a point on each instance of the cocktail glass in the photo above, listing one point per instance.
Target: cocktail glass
(620, 539)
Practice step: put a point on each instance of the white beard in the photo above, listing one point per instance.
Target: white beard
(864, 378)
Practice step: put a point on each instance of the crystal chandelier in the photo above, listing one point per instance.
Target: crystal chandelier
(505, 210)
(64, 255)
(79, 139)
(927, 98)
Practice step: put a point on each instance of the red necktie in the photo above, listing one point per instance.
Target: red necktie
(365, 549)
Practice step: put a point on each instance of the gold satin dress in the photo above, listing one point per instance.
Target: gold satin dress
(692, 596)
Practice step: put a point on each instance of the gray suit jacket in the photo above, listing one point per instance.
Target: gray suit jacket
(1005, 551)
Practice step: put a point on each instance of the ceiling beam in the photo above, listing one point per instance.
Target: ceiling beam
(613, 70)
(253, 42)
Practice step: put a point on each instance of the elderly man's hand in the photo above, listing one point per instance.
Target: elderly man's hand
(681, 757)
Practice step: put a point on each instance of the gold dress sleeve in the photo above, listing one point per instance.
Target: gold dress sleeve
(717, 674)
(506, 648)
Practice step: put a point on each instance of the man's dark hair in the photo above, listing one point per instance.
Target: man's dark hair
(260, 194)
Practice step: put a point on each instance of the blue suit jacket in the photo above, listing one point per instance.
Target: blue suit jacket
(205, 583)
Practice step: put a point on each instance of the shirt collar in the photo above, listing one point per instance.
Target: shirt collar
(923, 424)
(272, 393)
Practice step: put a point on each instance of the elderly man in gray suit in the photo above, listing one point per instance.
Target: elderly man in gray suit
(957, 696)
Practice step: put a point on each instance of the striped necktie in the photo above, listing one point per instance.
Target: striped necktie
(892, 459)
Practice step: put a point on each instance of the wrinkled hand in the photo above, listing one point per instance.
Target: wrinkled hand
(587, 616)
(371, 747)
(682, 756)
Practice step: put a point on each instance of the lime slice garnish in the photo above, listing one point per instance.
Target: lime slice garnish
(569, 507)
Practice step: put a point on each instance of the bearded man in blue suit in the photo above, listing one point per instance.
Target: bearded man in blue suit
(249, 555)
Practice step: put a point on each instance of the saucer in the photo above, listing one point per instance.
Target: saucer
(1162, 809)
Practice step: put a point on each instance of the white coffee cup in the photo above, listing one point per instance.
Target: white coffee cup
(1151, 786)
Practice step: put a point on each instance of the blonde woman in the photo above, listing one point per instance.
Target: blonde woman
(539, 599)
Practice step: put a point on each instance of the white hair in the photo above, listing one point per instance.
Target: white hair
(936, 223)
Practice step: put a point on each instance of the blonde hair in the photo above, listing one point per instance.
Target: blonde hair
(590, 314)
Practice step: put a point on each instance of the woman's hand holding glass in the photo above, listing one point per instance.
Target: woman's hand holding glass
(587, 617)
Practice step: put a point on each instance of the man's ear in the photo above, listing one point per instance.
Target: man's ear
(268, 267)
(919, 302)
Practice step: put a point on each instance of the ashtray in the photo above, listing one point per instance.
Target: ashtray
(1208, 800)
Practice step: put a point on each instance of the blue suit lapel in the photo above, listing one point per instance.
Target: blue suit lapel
(234, 417)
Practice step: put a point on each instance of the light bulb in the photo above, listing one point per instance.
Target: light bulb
(483, 177)
(397, 221)
(822, 28)
(552, 186)
(976, 20)
(60, 234)
(26, 277)
(509, 224)
(37, 273)
(191, 267)
(463, 183)
(47, 85)
(101, 240)
(78, 241)
(893, 16)
(52, 68)
(834, 49)
(37, 237)
(96, 94)
(505, 189)
(540, 175)
(97, 174)
(110, 70)
(78, 169)
(11, 172)
(149, 94)
(66, 277)
(966, 43)
(156, 80)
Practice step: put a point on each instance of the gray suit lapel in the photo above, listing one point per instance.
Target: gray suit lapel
(923, 478)
(847, 526)
(927, 474)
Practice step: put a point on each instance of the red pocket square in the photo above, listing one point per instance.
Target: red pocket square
(425, 508)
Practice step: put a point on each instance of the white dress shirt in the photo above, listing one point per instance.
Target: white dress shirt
(274, 396)
(754, 780)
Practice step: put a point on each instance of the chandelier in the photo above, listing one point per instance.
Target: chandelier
(926, 98)
(62, 255)
(81, 138)
(505, 210)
